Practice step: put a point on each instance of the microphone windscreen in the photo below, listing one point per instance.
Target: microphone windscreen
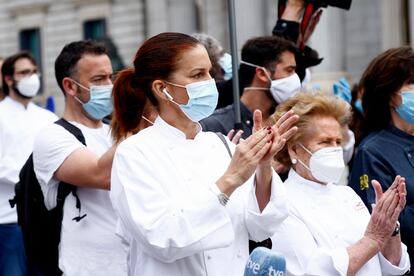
(263, 261)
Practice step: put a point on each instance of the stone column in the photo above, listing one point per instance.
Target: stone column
(329, 40)
(391, 24)
(156, 17)
(411, 21)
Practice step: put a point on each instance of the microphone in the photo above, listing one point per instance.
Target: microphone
(263, 261)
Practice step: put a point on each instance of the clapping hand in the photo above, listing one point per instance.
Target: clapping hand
(282, 130)
(235, 136)
(386, 210)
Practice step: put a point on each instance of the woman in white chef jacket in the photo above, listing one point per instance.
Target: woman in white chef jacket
(185, 206)
(329, 230)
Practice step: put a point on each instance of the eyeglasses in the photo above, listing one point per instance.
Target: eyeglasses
(27, 73)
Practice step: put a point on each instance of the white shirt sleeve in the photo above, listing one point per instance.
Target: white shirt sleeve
(8, 170)
(167, 228)
(262, 225)
(388, 268)
(51, 147)
(303, 255)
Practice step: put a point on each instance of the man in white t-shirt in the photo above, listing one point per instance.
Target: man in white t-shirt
(20, 121)
(87, 247)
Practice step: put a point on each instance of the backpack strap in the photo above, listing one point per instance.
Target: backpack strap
(223, 139)
(72, 129)
(64, 188)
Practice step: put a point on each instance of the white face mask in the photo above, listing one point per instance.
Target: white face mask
(326, 164)
(226, 65)
(29, 86)
(281, 89)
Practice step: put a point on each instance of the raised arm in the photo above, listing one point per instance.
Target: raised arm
(281, 131)
(378, 235)
(85, 169)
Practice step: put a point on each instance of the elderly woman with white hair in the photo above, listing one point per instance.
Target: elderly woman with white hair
(329, 230)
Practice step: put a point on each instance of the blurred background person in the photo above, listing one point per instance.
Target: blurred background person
(288, 27)
(221, 67)
(387, 148)
(20, 121)
(329, 230)
(267, 76)
(355, 124)
(1, 83)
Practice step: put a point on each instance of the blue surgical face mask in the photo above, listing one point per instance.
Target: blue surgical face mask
(358, 106)
(226, 65)
(406, 109)
(100, 104)
(202, 99)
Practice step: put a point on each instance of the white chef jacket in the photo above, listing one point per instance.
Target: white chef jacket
(18, 127)
(161, 189)
(323, 221)
(89, 247)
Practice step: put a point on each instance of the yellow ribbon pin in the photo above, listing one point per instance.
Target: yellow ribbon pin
(363, 182)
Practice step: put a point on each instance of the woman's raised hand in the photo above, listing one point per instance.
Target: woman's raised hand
(386, 210)
(246, 157)
(282, 130)
(235, 136)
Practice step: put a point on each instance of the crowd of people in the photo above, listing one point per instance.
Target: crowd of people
(169, 187)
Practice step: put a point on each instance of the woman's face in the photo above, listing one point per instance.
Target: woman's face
(396, 100)
(322, 132)
(193, 66)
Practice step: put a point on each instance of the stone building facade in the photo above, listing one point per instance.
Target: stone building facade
(346, 40)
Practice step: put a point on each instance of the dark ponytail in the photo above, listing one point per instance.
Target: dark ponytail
(129, 102)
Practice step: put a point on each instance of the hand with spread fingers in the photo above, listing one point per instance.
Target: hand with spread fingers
(386, 211)
(282, 130)
(384, 217)
(245, 160)
(235, 136)
(279, 133)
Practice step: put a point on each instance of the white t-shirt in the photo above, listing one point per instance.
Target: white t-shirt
(18, 128)
(163, 188)
(88, 247)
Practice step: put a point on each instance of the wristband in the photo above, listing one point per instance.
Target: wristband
(222, 197)
(396, 230)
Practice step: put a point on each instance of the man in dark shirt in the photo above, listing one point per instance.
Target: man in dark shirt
(267, 77)
(288, 26)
